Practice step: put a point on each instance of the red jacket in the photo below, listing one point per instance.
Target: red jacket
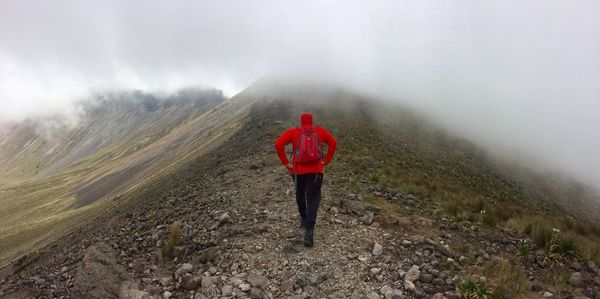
(292, 135)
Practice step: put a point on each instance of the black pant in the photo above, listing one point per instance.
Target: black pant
(308, 196)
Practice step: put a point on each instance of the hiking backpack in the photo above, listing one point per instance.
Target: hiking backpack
(308, 149)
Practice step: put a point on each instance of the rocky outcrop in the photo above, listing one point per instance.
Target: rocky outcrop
(100, 275)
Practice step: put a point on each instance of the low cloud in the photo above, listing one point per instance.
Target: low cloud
(515, 76)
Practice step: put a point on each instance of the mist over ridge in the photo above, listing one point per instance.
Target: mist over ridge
(521, 78)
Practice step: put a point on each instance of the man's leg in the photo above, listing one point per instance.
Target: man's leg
(313, 198)
(301, 197)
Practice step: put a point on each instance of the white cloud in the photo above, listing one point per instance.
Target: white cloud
(510, 74)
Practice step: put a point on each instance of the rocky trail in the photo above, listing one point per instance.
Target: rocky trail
(240, 239)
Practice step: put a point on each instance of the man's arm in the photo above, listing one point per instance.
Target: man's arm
(280, 144)
(331, 146)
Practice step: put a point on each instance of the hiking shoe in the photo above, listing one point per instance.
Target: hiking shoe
(308, 238)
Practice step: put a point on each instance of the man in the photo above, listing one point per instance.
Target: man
(307, 168)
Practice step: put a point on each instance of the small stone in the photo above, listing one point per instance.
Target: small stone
(166, 281)
(257, 280)
(286, 274)
(385, 289)
(377, 249)
(593, 267)
(413, 274)
(576, 279)
(224, 218)
(256, 293)
(394, 294)
(418, 239)
(235, 281)
(334, 210)
(166, 295)
(190, 283)
(185, 268)
(438, 281)
(426, 278)
(208, 281)
(287, 286)
(209, 254)
(363, 258)
(373, 295)
(409, 285)
(547, 294)
(338, 273)
(375, 271)
(367, 218)
(245, 287)
(227, 290)
(438, 296)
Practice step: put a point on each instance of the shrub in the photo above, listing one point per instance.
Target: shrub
(504, 212)
(559, 248)
(509, 279)
(174, 238)
(452, 208)
(459, 217)
(488, 219)
(473, 287)
(540, 232)
(590, 251)
(439, 211)
(524, 249)
(565, 246)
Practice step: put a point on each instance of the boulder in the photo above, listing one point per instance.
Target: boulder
(100, 275)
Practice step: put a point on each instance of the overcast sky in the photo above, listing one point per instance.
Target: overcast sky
(512, 75)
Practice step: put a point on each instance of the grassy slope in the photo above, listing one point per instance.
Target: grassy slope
(38, 210)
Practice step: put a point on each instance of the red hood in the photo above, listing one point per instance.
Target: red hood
(306, 119)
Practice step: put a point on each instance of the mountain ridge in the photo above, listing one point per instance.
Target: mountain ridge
(400, 197)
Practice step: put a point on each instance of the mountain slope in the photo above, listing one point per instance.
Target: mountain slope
(54, 180)
(401, 213)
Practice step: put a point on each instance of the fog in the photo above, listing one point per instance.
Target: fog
(519, 77)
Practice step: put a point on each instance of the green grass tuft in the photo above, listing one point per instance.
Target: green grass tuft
(473, 287)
